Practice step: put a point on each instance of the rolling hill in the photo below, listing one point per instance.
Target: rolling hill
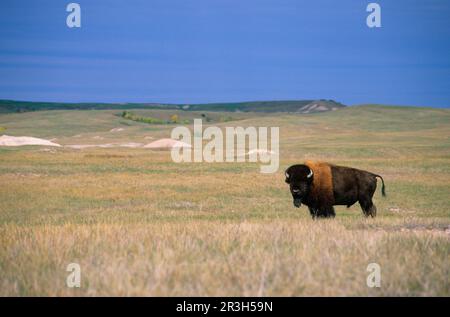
(300, 106)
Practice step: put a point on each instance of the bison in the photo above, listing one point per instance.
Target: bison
(320, 186)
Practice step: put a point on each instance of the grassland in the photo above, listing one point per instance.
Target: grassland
(139, 224)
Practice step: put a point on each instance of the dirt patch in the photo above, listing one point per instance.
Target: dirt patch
(107, 156)
(7, 140)
(260, 151)
(442, 230)
(166, 144)
(131, 144)
(397, 210)
(116, 130)
(107, 145)
(47, 150)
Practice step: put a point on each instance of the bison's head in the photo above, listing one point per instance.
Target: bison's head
(299, 178)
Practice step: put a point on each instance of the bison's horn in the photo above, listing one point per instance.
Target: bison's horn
(287, 175)
(310, 173)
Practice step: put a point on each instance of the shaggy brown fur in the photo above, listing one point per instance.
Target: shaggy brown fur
(322, 186)
(330, 186)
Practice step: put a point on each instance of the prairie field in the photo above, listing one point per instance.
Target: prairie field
(139, 224)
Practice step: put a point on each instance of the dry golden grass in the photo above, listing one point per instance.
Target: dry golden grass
(139, 224)
(275, 258)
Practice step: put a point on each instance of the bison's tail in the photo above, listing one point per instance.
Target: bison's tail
(383, 192)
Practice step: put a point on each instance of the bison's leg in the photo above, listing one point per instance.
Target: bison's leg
(373, 211)
(326, 212)
(368, 208)
(331, 212)
(313, 212)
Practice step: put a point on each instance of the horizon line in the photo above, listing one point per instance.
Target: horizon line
(228, 102)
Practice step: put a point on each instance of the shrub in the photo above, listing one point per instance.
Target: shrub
(150, 120)
(174, 118)
(226, 119)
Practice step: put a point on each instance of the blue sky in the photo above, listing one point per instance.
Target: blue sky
(196, 51)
